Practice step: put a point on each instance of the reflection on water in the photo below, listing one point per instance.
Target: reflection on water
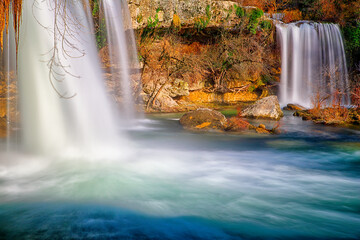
(303, 183)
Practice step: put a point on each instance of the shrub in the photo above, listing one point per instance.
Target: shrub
(266, 25)
(152, 23)
(239, 11)
(202, 22)
(352, 42)
(254, 20)
(292, 16)
(229, 12)
(100, 25)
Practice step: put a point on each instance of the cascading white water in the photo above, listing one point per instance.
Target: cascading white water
(63, 99)
(8, 76)
(313, 63)
(122, 51)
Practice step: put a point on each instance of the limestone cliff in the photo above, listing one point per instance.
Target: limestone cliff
(187, 10)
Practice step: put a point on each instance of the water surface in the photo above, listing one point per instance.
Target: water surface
(170, 184)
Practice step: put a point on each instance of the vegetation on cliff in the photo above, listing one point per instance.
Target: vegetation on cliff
(217, 58)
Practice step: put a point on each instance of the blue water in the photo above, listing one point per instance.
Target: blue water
(173, 184)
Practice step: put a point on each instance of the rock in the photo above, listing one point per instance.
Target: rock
(236, 124)
(222, 98)
(305, 114)
(178, 88)
(294, 107)
(204, 119)
(268, 108)
(187, 10)
(165, 103)
(262, 130)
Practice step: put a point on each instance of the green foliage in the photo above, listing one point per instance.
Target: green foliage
(239, 11)
(260, 82)
(203, 22)
(266, 25)
(96, 8)
(101, 34)
(139, 18)
(252, 88)
(352, 36)
(255, 15)
(352, 42)
(229, 61)
(229, 12)
(100, 25)
(208, 12)
(151, 25)
(267, 79)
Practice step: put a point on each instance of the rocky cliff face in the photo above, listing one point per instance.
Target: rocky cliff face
(211, 52)
(187, 10)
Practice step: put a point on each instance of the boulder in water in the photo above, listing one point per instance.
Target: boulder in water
(236, 124)
(294, 107)
(204, 119)
(268, 108)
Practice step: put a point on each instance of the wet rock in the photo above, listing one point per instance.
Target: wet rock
(268, 108)
(236, 124)
(262, 130)
(305, 114)
(294, 107)
(204, 119)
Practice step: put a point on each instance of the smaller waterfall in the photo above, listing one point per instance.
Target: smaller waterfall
(9, 99)
(313, 63)
(122, 52)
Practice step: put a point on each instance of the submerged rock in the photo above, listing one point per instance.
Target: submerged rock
(262, 130)
(204, 119)
(236, 124)
(294, 107)
(268, 108)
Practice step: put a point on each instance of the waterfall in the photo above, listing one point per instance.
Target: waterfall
(122, 52)
(313, 63)
(9, 99)
(63, 100)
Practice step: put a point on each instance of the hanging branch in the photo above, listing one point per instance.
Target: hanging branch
(64, 31)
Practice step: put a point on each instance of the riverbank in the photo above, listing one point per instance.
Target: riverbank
(335, 116)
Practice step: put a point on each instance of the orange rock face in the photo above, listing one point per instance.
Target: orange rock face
(226, 98)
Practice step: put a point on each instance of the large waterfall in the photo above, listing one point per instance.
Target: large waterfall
(313, 63)
(64, 103)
